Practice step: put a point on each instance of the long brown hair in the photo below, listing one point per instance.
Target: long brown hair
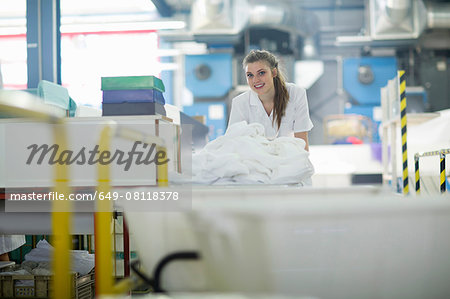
(281, 94)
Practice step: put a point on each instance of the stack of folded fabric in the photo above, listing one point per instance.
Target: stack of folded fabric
(133, 95)
(57, 97)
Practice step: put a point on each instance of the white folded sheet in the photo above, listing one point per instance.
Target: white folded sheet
(245, 156)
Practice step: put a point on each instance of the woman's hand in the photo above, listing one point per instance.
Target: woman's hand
(304, 136)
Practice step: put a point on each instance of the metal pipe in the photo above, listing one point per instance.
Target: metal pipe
(438, 15)
(102, 221)
(21, 104)
(61, 224)
(104, 282)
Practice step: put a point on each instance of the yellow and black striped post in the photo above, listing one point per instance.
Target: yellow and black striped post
(416, 166)
(441, 154)
(443, 182)
(402, 91)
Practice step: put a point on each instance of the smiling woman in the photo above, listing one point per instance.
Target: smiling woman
(282, 108)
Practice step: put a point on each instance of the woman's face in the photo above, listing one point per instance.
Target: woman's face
(260, 77)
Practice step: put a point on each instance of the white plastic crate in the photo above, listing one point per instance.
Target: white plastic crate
(328, 248)
(159, 234)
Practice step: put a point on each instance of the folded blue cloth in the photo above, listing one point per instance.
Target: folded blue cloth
(135, 96)
(56, 95)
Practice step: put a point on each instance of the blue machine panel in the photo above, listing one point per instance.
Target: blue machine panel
(215, 113)
(363, 77)
(208, 76)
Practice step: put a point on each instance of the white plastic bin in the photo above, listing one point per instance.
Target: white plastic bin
(375, 247)
(158, 234)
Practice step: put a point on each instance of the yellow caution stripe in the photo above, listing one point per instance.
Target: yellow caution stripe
(417, 177)
(402, 91)
(442, 181)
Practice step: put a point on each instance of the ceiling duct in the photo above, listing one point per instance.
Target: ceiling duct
(289, 18)
(397, 19)
(283, 16)
(400, 21)
(224, 20)
(218, 20)
(407, 18)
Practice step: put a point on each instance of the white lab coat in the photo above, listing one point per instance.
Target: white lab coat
(10, 242)
(248, 107)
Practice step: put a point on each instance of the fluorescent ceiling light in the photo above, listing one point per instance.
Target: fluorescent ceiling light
(154, 25)
(87, 7)
(74, 28)
(13, 30)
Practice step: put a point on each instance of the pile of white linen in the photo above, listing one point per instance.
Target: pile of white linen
(82, 261)
(245, 156)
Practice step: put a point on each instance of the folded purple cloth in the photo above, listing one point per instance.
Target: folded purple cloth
(135, 95)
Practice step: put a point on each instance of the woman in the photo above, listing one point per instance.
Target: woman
(282, 108)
